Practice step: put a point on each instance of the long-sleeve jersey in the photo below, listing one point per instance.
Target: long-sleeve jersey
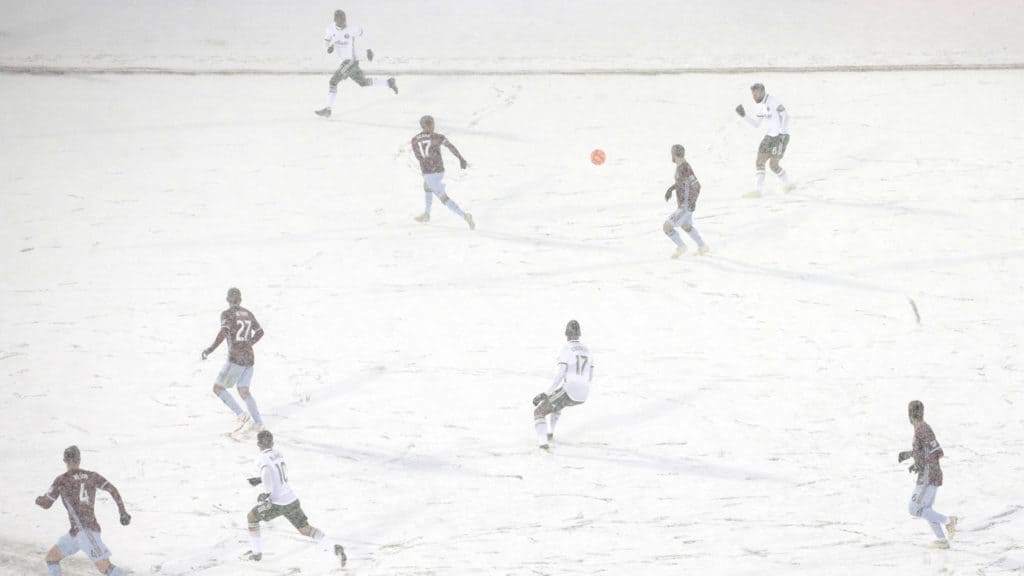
(77, 490)
(687, 186)
(771, 114)
(274, 477)
(344, 41)
(574, 371)
(927, 453)
(241, 329)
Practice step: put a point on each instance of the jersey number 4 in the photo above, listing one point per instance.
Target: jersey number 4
(83, 496)
(244, 330)
(581, 364)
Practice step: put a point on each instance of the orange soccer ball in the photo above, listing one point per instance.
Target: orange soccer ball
(597, 157)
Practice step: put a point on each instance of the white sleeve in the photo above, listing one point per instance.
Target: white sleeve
(266, 477)
(559, 376)
(783, 118)
(755, 122)
(328, 35)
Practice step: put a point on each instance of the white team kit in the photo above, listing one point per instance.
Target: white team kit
(344, 41)
(274, 474)
(771, 115)
(575, 371)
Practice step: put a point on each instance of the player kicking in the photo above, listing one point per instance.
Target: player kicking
(686, 188)
(769, 111)
(76, 488)
(340, 39)
(278, 499)
(426, 146)
(570, 388)
(926, 453)
(240, 328)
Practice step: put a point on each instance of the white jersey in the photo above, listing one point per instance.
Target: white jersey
(343, 40)
(575, 371)
(771, 114)
(274, 474)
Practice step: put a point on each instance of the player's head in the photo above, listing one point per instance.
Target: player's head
(572, 330)
(265, 440)
(757, 91)
(915, 410)
(72, 456)
(427, 123)
(678, 152)
(339, 18)
(234, 296)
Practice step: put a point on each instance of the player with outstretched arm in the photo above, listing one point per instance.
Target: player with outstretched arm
(340, 40)
(426, 146)
(771, 113)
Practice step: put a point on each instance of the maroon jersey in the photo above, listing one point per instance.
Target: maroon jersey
(241, 330)
(687, 187)
(927, 453)
(77, 489)
(427, 148)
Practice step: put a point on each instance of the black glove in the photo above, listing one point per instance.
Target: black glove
(463, 164)
(915, 467)
(369, 55)
(330, 49)
(126, 518)
(539, 398)
(905, 454)
(206, 353)
(255, 481)
(41, 501)
(668, 193)
(740, 110)
(783, 142)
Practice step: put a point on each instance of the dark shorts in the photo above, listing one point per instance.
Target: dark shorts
(349, 69)
(774, 146)
(293, 512)
(555, 403)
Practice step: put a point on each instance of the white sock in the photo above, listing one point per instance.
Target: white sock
(254, 542)
(782, 176)
(455, 208)
(554, 420)
(227, 399)
(429, 201)
(696, 236)
(250, 402)
(331, 95)
(325, 541)
(759, 181)
(542, 431)
(54, 568)
(675, 237)
(115, 571)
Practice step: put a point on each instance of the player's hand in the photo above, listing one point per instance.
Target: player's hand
(263, 497)
(126, 518)
(668, 193)
(539, 398)
(330, 49)
(41, 501)
(206, 354)
(905, 454)
(463, 164)
(915, 467)
(255, 481)
(741, 111)
(369, 55)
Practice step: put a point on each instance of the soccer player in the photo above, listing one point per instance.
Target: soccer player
(686, 188)
(76, 488)
(340, 39)
(426, 146)
(570, 387)
(278, 499)
(773, 114)
(926, 453)
(239, 327)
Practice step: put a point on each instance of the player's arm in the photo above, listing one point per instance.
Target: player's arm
(783, 118)
(257, 330)
(560, 372)
(668, 193)
(746, 117)
(328, 37)
(47, 500)
(462, 161)
(106, 486)
(221, 335)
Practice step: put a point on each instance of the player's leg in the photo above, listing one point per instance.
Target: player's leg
(255, 552)
(935, 519)
(763, 154)
(669, 228)
(92, 544)
(540, 423)
(360, 78)
(332, 87)
(244, 380)
(293, 512)
(57, 553)
(435, 182)
(686, 223)
(778, 150)
(226, 379)
(428, 202)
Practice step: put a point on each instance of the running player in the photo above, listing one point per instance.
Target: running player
(340, 39)
(241, 329)
(771, 112)
(426, 146)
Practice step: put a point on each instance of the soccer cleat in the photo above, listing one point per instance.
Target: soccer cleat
(339, 551)
(789, 187)
(325, 112)
(250, 555)
(951, 527)
(703, 249)
(254, 427)
(551, 437)
(545, 447)
(941, 544)
(469, 220)
(393, 85)
(241, 421)
(680, 250)
(425, 217)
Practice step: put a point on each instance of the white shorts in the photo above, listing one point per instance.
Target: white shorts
(682, 218)
(85, 541)
(232, 374)
(434, 183)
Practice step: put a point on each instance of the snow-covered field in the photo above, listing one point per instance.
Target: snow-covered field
(747, 406)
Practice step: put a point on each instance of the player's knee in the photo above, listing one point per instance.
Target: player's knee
(687, 228)
(915, 510)
(243, 392)
(217, 389)
(667, 227)
(775, 165)
(541, 410)
(443, 198)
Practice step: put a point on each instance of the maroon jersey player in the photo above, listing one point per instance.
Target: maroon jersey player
(241, 330)
(686, 189)
(76, 489)
(926, 453)
(426, 146)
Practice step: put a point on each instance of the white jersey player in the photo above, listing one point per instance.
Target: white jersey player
(570, 387)
(278, 499)
(341, 40)
(771, 114)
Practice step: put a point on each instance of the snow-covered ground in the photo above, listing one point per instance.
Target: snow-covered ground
(747, 407)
